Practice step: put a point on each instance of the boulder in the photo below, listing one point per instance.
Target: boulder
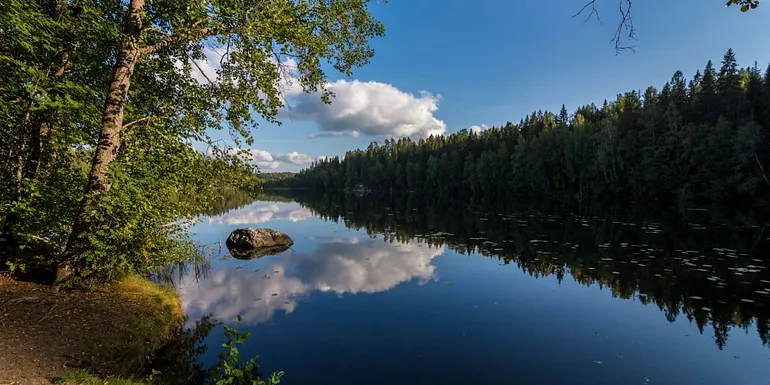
(252, 238)
(247, 254)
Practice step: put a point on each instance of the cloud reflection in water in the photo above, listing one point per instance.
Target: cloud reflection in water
(368, 266)
(260, 213)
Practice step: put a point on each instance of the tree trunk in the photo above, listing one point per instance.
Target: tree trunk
(38, 143)
(41, 137)
(109, 142)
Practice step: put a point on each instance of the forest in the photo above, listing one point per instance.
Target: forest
(703, 141)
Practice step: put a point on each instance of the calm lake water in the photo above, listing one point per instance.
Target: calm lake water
(395, 295)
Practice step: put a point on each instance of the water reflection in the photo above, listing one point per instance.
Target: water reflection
(715, 275)
(340, 265)
(261, 212)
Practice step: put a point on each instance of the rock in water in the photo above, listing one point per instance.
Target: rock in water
(249, 253)
(252, 238)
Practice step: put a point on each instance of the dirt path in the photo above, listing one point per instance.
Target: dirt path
(46, 334)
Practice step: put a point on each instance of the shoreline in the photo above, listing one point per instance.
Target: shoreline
(54, 336)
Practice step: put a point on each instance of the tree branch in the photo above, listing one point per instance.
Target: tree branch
(174, 38)
(143, 119)
(200, 69)
(761, 168)
(591, 4)
(626, 22)
(153, 29)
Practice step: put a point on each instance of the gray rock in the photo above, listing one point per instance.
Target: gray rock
(252, 238)
(247, 254)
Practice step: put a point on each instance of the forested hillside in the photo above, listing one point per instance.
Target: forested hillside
(704, 140)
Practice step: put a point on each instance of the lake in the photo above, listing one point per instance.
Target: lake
(373, 293)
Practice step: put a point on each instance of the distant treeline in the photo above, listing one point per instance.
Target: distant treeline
(268, 178)
(702, 141)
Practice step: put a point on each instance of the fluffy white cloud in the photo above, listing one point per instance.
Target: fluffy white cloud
(370, 108)
(265, 159)
(478, 128)
(341, 267)
(261, 158)
(295, 158)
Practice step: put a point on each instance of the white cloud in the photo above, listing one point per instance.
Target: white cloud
(370, 108)
(352, 134)
(360, 107)
(261, 158)
(265, 159)
(204, 70)
(478, 128)
(288, 85)
(207, 69)
(295, 158)
(340, 267)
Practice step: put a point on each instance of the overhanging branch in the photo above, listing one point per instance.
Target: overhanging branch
(626, 22)
(191, 32)
(146, 118)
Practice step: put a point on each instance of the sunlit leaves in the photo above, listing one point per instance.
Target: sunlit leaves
(746, 5)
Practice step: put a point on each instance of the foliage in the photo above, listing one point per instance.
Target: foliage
(230, 369)
(106, 132)
(745, 4)
(706, 141)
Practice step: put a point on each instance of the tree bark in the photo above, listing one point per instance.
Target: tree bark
(109, 141)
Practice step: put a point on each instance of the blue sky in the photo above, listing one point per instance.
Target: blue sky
(489, 61)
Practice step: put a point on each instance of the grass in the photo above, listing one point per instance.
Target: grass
(127, 349)
(159, 298)
(116, 330)
(85, 378)
(130, 346)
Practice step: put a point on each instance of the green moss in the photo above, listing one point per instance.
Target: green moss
(157, 317)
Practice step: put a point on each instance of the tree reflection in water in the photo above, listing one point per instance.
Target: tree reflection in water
(714, 274)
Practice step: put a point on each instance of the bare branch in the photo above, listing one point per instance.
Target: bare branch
(227, 51)
(200, 69)
(284, 72)
(626, 23)
(594, 12)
